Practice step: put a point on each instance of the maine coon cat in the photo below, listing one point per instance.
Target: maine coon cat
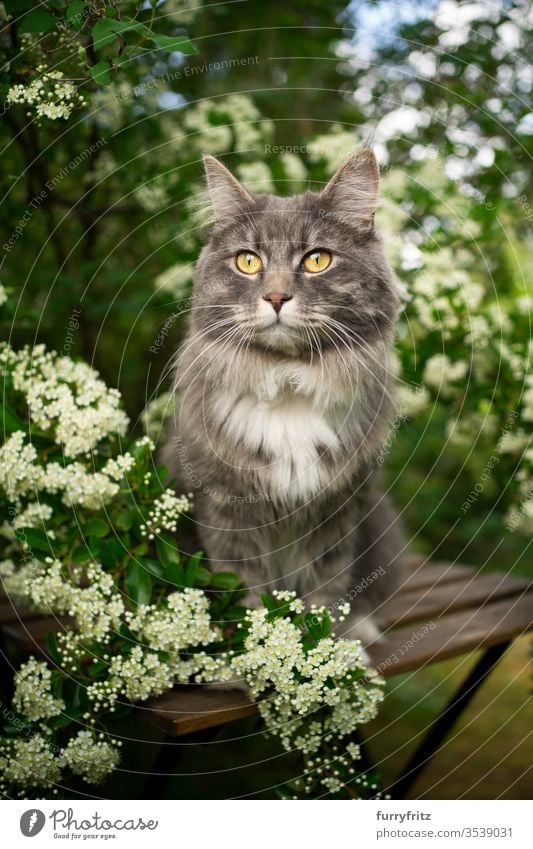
(284, 394)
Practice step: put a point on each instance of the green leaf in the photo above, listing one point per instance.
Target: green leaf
(167, 550)
(57, 683)
(37, 21)
(203, 577)
(313, 625)
(124, 520)
(60, 721)
(107, 30)
(171, 43)
(15, 730)
(175, 574)
(53, 651)
(235, 614)
(225, 581)
(104, 33)
(109, 552)
(96, 528)
(155, 568)
(192, 567)
(81, 554)
(9, 421)
(79, 698)
(98, 666)
(101, 72)
(34, 538)
(74, 14)
(138, 582)
(270, 603)
(326, 623)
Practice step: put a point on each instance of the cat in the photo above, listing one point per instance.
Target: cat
(284, 395)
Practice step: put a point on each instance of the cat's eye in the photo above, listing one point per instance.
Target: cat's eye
(316, 261)
(248, 262)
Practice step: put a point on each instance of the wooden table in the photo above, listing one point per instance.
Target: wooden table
(443, 610)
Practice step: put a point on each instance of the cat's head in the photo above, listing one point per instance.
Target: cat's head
(295, 275)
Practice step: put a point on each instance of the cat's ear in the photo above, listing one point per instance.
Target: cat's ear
(227, 195)
(353, 189)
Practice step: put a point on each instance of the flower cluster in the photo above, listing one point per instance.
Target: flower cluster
(93, 759)
(67, 398)
(29, 763)
(313, 693)
(183, 622)
(165, 513)
(66, 402)
(49, 95)
(33, 696)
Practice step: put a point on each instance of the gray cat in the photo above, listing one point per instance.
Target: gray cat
(284, 394)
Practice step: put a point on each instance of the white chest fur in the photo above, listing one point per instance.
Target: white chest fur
(288, 434)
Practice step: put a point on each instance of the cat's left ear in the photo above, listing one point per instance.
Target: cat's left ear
(353, 189)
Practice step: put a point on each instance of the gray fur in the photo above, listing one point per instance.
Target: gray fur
(314, 518)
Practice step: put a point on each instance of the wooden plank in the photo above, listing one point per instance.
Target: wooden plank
(194, 708)
(411, 648)
(11, 613)
(30, 635)
(186, 709)
(413, 605)
(431, 573)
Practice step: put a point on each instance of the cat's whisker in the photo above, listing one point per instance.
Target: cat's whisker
(173, 362)
(361, 362)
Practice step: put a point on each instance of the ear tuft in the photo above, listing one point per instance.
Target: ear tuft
(227, 195)
(353, 189)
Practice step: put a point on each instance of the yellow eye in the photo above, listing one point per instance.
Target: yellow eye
(248, 262)
(317, 261)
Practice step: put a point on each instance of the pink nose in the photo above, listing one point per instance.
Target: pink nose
(277, 299)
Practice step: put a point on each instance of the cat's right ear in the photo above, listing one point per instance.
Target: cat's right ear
(227, 195)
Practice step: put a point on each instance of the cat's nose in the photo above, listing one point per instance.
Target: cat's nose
(277, 299)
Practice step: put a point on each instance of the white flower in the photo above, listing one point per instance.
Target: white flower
(19, 474)
(78, 486)
(33, 696)
(47, 588)
(333, 147)
(118, 467)
(176, 279)
(93, 759)
(183, 624)
(69, 398)
(35, 513)
(3, 295)
(98, 609)
(137, 677)
(411, 399)
(165, 513)
(294, 168)
(439, 372)
(49, 94)
(30, 763)
(256, 176)
(156, 413)
(302, 683)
